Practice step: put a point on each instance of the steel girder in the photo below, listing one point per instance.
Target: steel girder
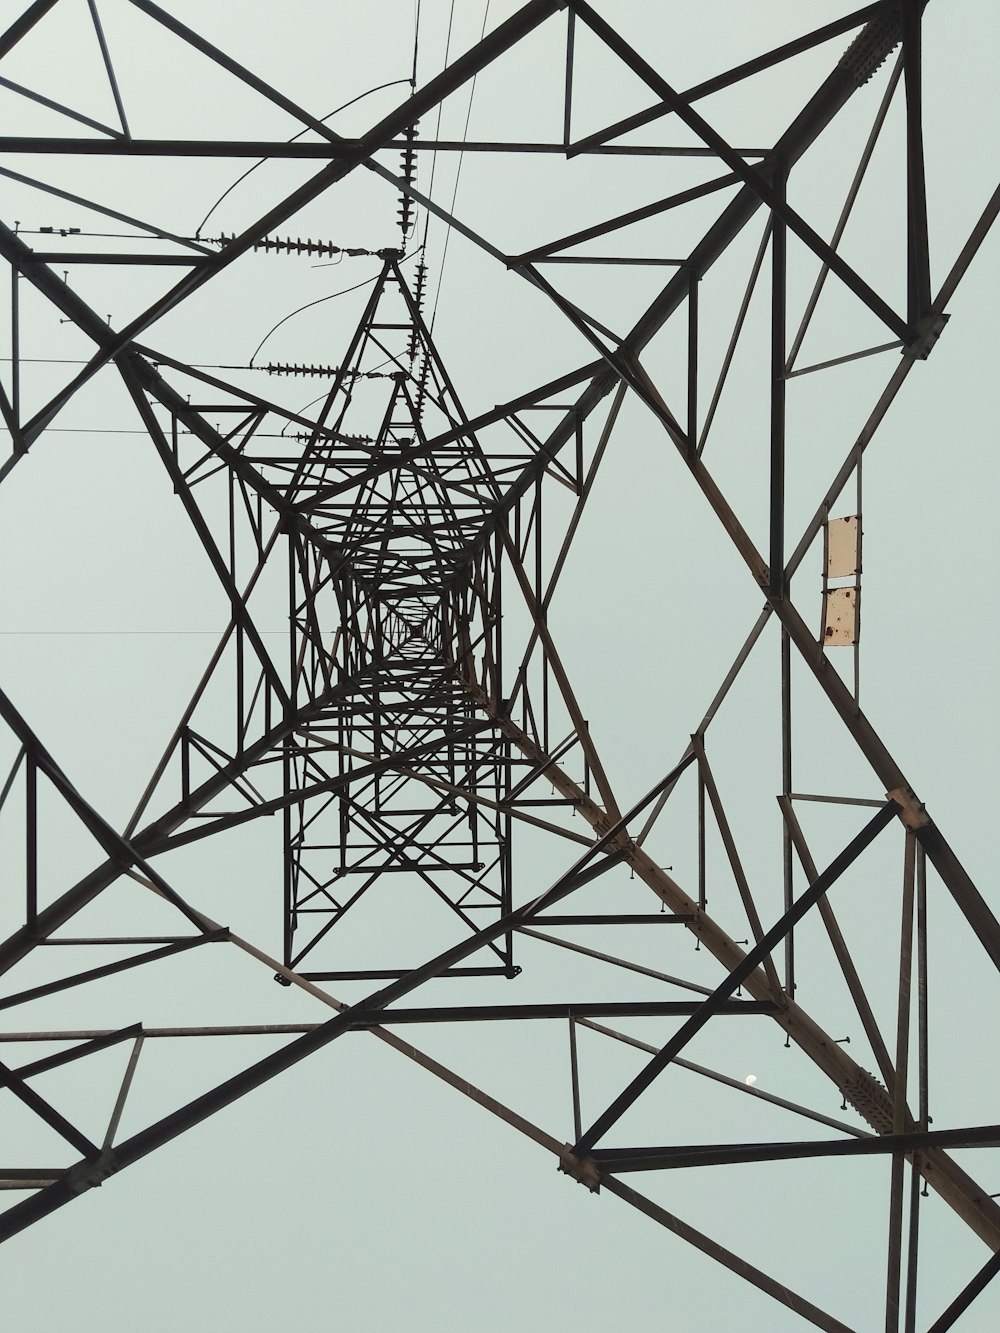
(423, 707)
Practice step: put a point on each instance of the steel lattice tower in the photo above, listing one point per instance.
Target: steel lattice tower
(413, 735)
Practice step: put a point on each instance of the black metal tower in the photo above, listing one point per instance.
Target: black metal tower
(392, 689)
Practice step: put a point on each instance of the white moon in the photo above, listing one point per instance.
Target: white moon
(751, 1079)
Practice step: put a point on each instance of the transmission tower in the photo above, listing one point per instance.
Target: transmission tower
(385, 789)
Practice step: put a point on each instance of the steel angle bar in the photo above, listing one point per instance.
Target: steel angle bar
(918, 246)
(713, 708)
(225, 575)
(740, 72)
(88, 1046)
(848, 969)
(618, 919)
(751, 176)
(739, 974)
(822, 108)
(474, 1013)
(878, 413)
(572, 947)
(733, 855)
(117, 848)
(787, 859)
(498, 414)
(465, 68)
(566, 690)
(947, 864)
(64, 1189)
(77, 146)
(109, 67)
(737, 1085)
(625, 220)
(883, 8)
(568, 94)
(219, 57)
(844, 360)
(856, 1084)
(571, 530)
(967, 1295)
(206, 1030)
(776, 486)
(638, 261)
(158, 358)
(614, 1160)
(58, 107)
(845, 214)
(19, 759)
(330, 785)
(332, 150)
(126, 853)
(111, 969)
(53, 1118)
(900, 1112)
(23, 25)
(968, 252)
(504, 807)
(784, 1295)
(124, 1089)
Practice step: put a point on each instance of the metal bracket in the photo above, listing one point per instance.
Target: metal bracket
(911, 811)
(928, 331)
(90, 1175)
(584, 1170)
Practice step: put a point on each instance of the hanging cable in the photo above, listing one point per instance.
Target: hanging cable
(318, 399)
(408, 154)
(437, 122)
(416, 44)
(319, 301)
(329, 116)
(458, 176)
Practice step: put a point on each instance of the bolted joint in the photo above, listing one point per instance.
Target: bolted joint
(584, 1170)
(929, 329)
(870, 1098)
(871, 48)
(911, 811)
(90, 1175)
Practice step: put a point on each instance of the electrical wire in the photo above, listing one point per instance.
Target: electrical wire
(319, 301)
(458, 176)
(437, 123)
(313, 401)
(330, 114)
(416, 43)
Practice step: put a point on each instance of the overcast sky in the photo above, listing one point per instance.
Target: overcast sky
(356, 1191)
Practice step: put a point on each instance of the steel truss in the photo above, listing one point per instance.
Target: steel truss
(422, 717)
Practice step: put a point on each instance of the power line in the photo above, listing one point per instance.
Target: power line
(458, 174)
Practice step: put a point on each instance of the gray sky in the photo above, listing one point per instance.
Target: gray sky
(356, 1191)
